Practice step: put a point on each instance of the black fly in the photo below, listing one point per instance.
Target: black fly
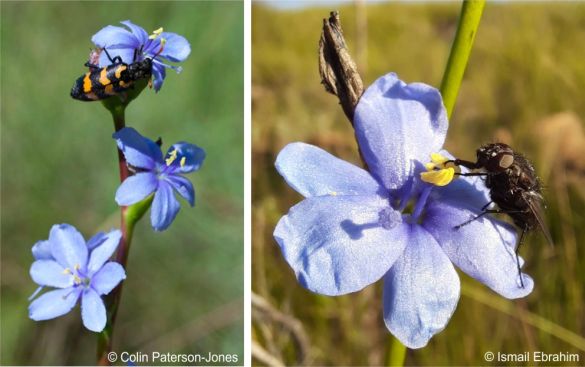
(514, 188)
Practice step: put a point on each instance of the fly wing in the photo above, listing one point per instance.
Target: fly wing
(535, 203)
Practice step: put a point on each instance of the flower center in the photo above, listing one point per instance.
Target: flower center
(78, 277)
(388, 218)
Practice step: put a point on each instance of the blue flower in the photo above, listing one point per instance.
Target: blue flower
(353, 227)
(136, 45)
(79, 270)
(157, 174)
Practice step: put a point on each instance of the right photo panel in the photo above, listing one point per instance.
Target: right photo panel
(418, 184)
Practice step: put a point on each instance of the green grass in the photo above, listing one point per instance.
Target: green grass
(184, 292)
(526, 67)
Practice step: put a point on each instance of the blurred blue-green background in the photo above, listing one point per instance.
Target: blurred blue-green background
(184, 291)
(524, 85)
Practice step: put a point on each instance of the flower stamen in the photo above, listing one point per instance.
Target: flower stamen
(440, 171)
(172, 157)
(155, 33)
(183, 160)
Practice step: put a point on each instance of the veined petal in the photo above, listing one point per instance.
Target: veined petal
(311, 171)
(421, 291)
(111, 35)
(189, 157)
(397, 126)
(103, 252)
(93, 311)
(176, 48)
(484, 248)
(164, 207)
(183, 186)
(138, 31)
(68, 246)
(341, 244)
(108, 277)
(139, 151)
(42, 250)
(53, 304)
(136, 188)
(50, 273)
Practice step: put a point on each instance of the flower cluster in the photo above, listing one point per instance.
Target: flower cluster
(81, 270)
(353, 227)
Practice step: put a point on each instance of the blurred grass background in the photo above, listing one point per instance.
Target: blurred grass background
(524, 85)
(184, 291)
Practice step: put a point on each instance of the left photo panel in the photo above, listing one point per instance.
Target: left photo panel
(122, 183)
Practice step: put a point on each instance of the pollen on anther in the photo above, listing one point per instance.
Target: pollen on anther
(156, 33)
(172, 157)
(183, 160)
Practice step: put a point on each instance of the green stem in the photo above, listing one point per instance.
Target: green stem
(466, 30)
(397, 353)
(130, 216)
(469, 19)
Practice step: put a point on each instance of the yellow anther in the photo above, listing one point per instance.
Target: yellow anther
(172, 157)
(156, 33)
(163, 42)
(333, 193)
(440, 177)
(438, 158)
(76, 279)
(66, 271)
(183, 160)
(438, 172)
(77, 267)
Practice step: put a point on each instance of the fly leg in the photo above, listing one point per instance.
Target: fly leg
(518, 258)
(484, 212)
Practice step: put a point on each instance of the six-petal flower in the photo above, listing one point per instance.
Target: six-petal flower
(79, 270)
(352, 228)
(135, 45)
(157, 174)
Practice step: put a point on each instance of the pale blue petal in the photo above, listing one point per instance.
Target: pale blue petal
(139, 32)
(103, 252)
(139, 151)
(136, 188)
(176, 49)
(311, 171)
(42, 250)
(398, 126)
(50, 273)
(192, 154)
(68, 246)
(183, 186)
(484, 248)
(421, 291)
(111, 35)
(164, 207)
(93, 311)
(108, 277)
(159, 73)
(338, 244)
(53, 304)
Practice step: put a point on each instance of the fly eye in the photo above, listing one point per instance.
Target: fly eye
(506, 161)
